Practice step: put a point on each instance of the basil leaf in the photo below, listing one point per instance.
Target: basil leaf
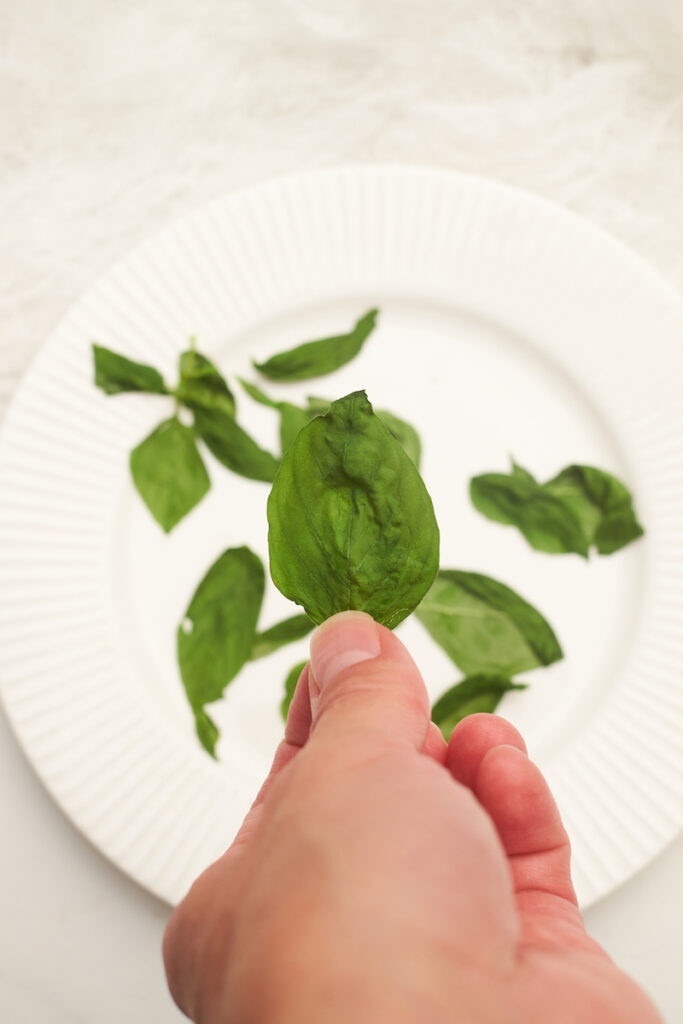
(215, 638)
(601, 503)
(281, 633)
(292, 418)
(546, 521)
(351, 522)
(168, 472)
(232, 446)
(290, 686)
(316, 358)
(474, 694)
(318, 406)
(207, 732)
(406, 435)
(115, 373)
(485, 627)
(202, 386)
(521, 473)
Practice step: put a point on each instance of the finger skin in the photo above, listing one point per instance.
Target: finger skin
(381, 701)
(472, 738)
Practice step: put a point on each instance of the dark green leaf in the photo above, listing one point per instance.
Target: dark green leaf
(315, 358)
(232, 446)
(351, 522)
(290, 686)
(115, 373)
(202, 386)
(474, 694)
(281, 633)
(601, 503)
(292, 418)
(207, 732)
(216, 636)
(169, 473)
(485, 627)
(546, 521)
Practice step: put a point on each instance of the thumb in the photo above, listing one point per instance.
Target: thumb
(364, 685)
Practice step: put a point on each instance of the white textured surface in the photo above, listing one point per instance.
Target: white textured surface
(116, 119)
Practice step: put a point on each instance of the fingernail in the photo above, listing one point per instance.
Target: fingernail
(344, 640)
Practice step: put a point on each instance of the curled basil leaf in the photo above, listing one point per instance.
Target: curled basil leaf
(285, 632)
(485, 627)
(517, 500)
(290, 686)
(216, 636)
(202, 385)
(351, 522)
(579, 508)
(168, 472)
(601, 503)
(316, 358)
(115, 373)
(475, 694)
(232, 446)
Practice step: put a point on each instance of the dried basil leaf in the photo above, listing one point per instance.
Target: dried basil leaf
(316, 358)
(351, 522)
(168, 472)
(485, 627)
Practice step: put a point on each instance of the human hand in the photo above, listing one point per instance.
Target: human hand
(383, 876)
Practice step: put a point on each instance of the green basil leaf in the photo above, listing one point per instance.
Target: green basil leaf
(351, 522)
(474, 694)
(232, 446)
(406, 435)
(485, 627)
(216, 636)
(317, 406)
(290, 686)
(546, 521)
(168, 472)
(316, 358)
(521, 473)
(281, 633)
(601, 503)
(207, 732)
(202, 386)
(292, 418)
(115, 373)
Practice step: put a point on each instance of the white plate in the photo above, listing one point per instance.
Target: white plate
(507, 326)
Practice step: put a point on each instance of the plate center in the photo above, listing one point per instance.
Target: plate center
(477, 394)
